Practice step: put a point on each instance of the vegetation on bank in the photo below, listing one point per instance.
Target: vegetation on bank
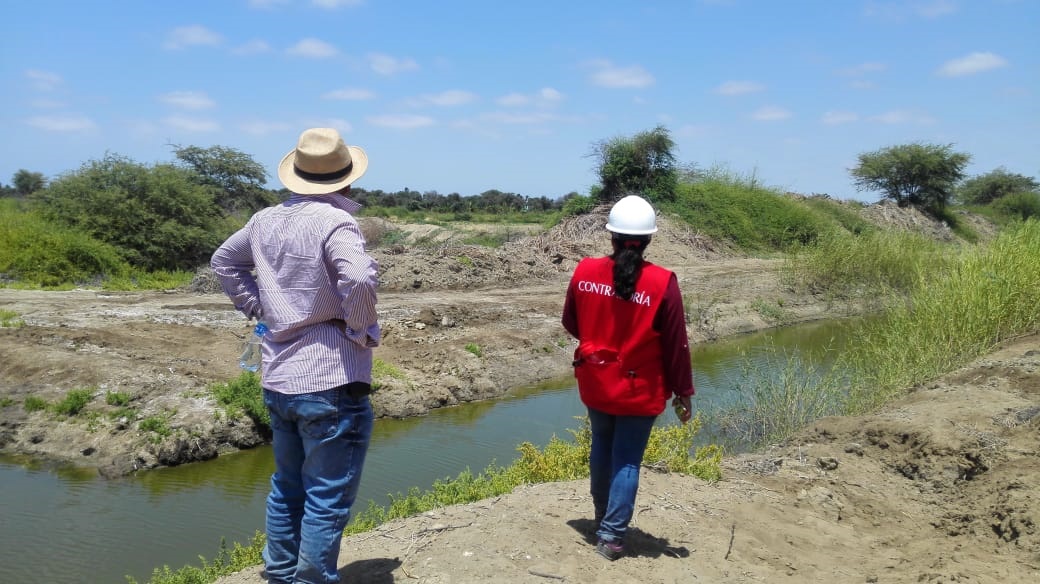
(939, 308)
(668, 450)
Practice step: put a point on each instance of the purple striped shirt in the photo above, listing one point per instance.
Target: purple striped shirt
(302, 268)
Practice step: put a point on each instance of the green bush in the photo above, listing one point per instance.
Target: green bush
(38, 253)
(74, 402)
(243, 395)
(1019, 205)
(158, 217)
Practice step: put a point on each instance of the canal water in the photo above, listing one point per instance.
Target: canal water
(66, 525)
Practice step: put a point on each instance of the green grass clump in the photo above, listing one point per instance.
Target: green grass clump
(33, 403)
(243, 395)
(474, 349)
(10, 319)
(117, 398)
(158, 425)
(73, 402)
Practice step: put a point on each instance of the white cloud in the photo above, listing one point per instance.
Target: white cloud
(861, 84)
(43, 80)
(192, 125)
(258, 128)
(739, 88)
(191, 36)
(189, 100)
(771, 114)
(349, 94)
(609, 75)
(254, 47)
(902, 117)
(447, 98)
(387, 65)
(834, 118)
(936, 8)
(545, 97)
(312, 48)
(972, 64)
(901, 11)
(401, 121)
(334, 4)
(518, 118)
(343, 126)
(62, 123)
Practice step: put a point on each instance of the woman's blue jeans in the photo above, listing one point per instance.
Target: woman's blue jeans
(618, 443)
(320, 441)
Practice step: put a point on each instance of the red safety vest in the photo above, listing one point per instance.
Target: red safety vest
(618, 362)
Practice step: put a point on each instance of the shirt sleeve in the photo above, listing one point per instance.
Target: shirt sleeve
(570, 315)
(233, 265)
(670, 321)
(357, 281)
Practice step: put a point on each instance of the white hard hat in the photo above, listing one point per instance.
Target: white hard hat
(632, 215)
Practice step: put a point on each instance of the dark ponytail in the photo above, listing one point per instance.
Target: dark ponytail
(628, 261)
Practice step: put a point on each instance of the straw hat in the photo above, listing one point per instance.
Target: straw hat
(321, 163)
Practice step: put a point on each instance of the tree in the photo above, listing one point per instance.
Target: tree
(26, 183)
(643, 163)
(917, 174)
(160, 218)
(239, 179)
(986, 188)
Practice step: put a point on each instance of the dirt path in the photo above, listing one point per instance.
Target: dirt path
(940, 487)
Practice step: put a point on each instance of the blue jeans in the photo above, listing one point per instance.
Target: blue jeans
(320, 441)
(618, 443)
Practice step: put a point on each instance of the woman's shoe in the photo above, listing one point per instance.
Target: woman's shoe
(611, 550)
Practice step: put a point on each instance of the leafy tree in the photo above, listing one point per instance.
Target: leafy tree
(26, 183)
(158, 217)
(643, 163)
(7, 191)
(917, 174)
(239, 179)
(986, 188)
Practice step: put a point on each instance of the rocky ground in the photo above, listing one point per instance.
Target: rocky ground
(940, 487)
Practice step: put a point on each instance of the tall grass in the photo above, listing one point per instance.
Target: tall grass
(875, 264)
(951, 307)
(669, 449)
(987, 295)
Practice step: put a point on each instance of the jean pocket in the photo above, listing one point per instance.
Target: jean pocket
(317, 414)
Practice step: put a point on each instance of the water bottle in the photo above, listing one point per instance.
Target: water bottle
(251, 349)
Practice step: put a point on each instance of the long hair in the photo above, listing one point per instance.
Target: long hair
(628, 262)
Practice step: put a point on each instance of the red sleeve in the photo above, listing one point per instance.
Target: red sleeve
(670, 321)
(570, 315)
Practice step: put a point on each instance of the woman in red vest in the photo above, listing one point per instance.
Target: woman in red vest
(633, 355)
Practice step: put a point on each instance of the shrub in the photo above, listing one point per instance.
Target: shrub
(35, 404)
(1019, 205)
(74, 402)
(243, 395)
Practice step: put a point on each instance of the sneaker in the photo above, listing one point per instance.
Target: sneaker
(611, 550)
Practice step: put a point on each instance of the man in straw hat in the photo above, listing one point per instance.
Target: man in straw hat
(301, 267)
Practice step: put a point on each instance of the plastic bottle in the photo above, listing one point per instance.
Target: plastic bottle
(251, 349)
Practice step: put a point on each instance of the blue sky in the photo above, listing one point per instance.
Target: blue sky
(460, 96)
